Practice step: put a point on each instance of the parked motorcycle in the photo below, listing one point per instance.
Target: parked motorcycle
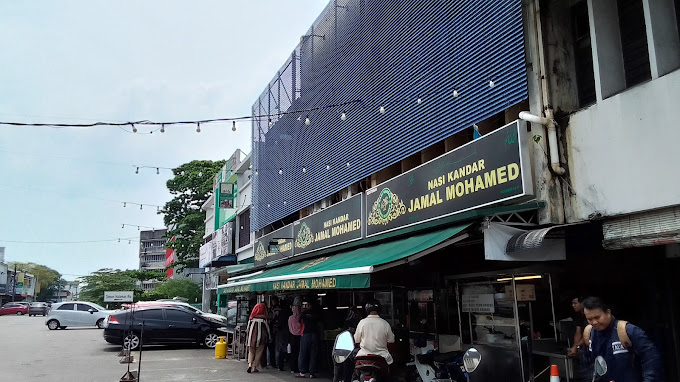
(344, 352)
(452, 366)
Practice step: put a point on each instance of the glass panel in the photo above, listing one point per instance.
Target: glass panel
(177, 315)
(83, 307)
(66, 307)
(488, 314)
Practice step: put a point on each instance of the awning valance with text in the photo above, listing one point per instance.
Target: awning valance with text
(346, 270)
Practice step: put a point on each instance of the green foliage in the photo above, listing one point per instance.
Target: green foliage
(108, 279)
(191, 186)
(175, 288)
(47, 278)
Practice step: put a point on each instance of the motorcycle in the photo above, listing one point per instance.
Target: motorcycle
(344, 352)
(367, 368)
(452, 366)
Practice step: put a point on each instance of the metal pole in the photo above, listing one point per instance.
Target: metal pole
(14, 287)
(552, 304)
(517, 329)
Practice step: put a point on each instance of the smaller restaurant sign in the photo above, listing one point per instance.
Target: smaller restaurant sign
(281, 246)
(340, 223)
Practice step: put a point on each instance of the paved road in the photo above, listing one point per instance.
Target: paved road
(30, 352)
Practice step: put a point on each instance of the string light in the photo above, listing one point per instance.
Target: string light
(162, 127)
(113, 240)
(134, 129)
(304, 169)
(455, 93)
(491, 84)
(343, 116)
(124, 204)
(137, 170)
(307, 121)
(382, 110)
(271, 123)
(157, 171)
(233, 126)
(198, 127)
(280, 171)
(140, 205)
(419, 101)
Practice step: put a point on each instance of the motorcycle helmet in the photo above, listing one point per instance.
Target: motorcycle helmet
(372, 306)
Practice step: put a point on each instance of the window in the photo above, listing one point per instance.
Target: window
(66, 307)
(83, 307)
(151, 314)
(634, 42)
(244, 229)
(583, 54)
(177, 315)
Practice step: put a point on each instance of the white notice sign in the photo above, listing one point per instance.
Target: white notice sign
(124, 296)
(478, 303)
(525, 292)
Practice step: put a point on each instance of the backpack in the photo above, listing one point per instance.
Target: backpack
(620, 330)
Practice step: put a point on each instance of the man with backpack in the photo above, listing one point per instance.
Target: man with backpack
(630, 354)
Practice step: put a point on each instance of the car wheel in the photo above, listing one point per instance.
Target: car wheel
(210, 339)
(53, 324)
(131, 341)
(19, 313)
(100, 323)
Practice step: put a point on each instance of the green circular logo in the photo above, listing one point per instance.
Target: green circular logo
(385, 203)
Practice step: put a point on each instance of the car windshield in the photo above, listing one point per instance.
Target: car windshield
(98, 307)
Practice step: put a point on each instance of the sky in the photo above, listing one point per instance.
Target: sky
(88, 61)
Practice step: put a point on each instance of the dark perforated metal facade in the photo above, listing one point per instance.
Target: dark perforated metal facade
(366, 54)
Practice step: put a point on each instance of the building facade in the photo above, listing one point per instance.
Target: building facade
(475, 166)
(152, 254)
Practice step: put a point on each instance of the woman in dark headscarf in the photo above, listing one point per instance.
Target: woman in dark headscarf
(258, 336)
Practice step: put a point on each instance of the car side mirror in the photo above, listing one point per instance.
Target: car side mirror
(194, 320)
(91, 311)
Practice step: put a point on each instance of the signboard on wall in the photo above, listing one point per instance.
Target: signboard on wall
(226, 195)
(341, 223)
(205, 254)
(489, 170)
(3, 278)
(478, 303)
(283, 244)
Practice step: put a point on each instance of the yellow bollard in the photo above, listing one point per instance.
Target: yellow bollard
(221, 348)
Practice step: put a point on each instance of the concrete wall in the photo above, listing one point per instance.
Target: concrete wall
(624, 151)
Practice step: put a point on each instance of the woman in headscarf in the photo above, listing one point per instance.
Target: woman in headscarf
(258, 336)
(295, 327)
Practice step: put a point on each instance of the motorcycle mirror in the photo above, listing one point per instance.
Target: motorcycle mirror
(471, 360)
(343, 347)
(600, 368)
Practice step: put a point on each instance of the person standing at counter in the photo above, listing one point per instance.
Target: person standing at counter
(584, 370)
(258, 336)
(630, 354)
(295, 327)
(310, 341)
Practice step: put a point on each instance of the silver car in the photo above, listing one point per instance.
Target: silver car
(76, 313)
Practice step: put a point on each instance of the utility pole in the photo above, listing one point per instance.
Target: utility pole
(14, 287)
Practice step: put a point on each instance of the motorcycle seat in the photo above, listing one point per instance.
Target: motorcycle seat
(447, 357)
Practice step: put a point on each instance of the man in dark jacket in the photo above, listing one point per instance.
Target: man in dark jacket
(630, 355)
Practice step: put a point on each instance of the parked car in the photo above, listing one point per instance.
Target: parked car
(38, 308)
(179, 304)
(13, 308)
(162, 325)
(76, 313)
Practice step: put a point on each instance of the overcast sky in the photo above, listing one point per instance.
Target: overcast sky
(87, 61)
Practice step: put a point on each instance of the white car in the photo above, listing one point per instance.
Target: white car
(76, 313)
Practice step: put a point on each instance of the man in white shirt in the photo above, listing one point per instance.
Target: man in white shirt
(373, 333)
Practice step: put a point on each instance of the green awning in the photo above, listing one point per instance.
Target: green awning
(347, 270)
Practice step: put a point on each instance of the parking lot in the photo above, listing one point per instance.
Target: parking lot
(30, 352)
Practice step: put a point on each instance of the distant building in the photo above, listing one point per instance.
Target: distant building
(151, 254)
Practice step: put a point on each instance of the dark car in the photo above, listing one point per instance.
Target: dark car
(162, 325)
(38, 308)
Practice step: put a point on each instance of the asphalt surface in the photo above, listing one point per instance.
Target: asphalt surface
(31, 352)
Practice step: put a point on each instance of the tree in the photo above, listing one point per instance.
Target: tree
(46, 276)
(175, 288)
(108, 279)
(191, 186)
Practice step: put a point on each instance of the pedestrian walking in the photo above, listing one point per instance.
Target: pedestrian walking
(584, 368)
(630, 354)
(258, 336)
(310, 341)
(295, 327)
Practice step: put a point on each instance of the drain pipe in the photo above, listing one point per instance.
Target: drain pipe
(551, 126)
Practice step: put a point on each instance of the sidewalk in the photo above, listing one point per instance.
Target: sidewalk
(269, 374)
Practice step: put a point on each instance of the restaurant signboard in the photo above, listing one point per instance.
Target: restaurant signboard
(486, 171)
(275, 245)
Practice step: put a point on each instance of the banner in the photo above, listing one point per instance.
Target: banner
(488, 170)
(496, 238)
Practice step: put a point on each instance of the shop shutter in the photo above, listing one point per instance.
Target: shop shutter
(658, 227)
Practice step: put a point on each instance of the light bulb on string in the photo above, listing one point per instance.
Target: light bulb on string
(158, 171)
(280, 171)
(124, 204)
(348, 164)
(137, 228)
(299, 118)
(304, 169)
(119, 240)
(328, 167)
(233, 126)
(158, 209)
(129, 241)
(140, 206)
(343, 116)
(307, 121)
(162, 127)
(137, 170)
(256, 173)
(455, 93)
(382, 110)
(134, 129)
(270, 123)
(200, 174)
(491, 84)
(198, 127)
(123, 226)
(419, 101)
